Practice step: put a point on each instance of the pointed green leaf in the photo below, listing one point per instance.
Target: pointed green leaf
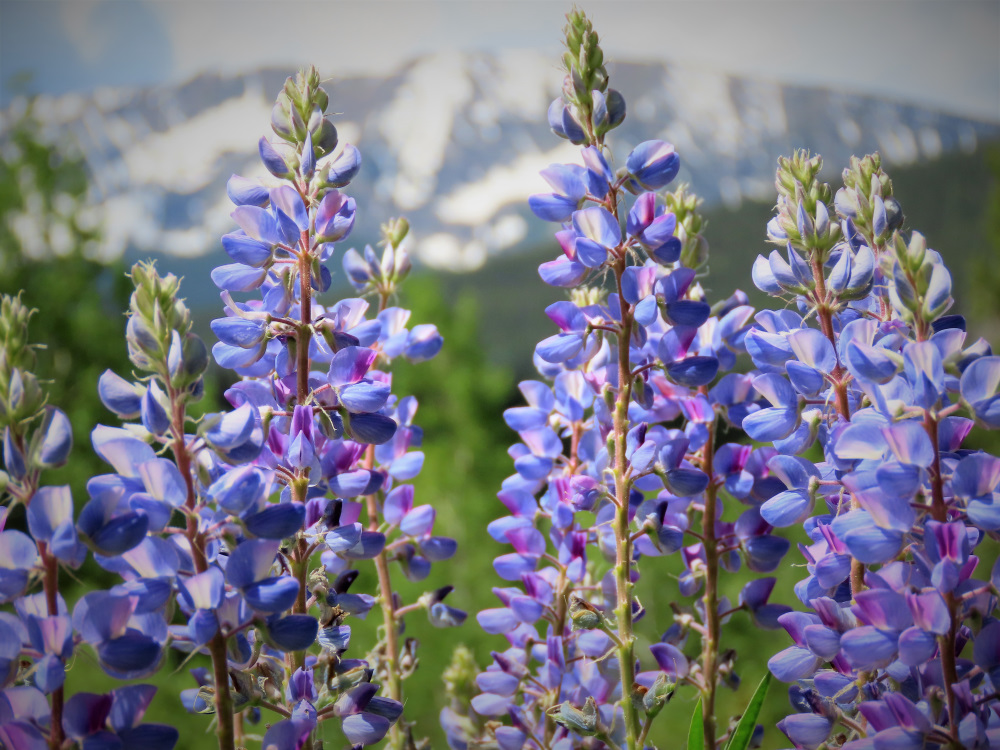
(740, 738)
(696, 733)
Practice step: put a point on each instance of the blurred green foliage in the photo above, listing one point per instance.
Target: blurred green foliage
(49, 241)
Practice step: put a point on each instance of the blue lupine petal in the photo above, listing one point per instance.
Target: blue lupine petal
(807, 731)
(369, 545)
(688, 312)
(239, 489)
(57, 438)
(794, 663)
(119, 534)
(344, 167)
(287, 200)
(364, 728)
(163, 481)
(234, 428)
(560, 347)
(293, 632)
(812, 348)
(787, 508)
(154, 414)
(119, 395)
(563, 272)
(276, 521)
(693, 371)
(335, 217)
(598, 225)
(239, 332)
(131, 653)
(866, 647)
(870, 363)
(653, 164)
(866, 541)
(552, 207)
(364, 397)
(770, 424)
(244, 191)
(237, 277)
(371, 429)
(246, 250)
(250, 562)
(272, 594)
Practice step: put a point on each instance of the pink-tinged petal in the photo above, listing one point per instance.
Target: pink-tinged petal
(860, 440)
(909, 443)
(976, 475)
(812, 348)
(598, 225)
(287, 199)
(204, 590)
(351, 364)
(257, 223)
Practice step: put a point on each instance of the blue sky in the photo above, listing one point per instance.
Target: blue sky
(944, 54)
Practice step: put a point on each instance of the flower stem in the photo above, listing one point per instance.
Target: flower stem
(710, 641)
(946, 642)
(217, 646)
(825, 316)
(623, 539)
(51, 584)
(389, 614)
(305, 327)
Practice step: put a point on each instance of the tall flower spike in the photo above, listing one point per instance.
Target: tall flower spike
(895, 506)
(335, 445)
(601, 470)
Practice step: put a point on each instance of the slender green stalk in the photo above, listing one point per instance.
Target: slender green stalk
(710, 641)
(623, 538)
(390, 616)
(217, 646)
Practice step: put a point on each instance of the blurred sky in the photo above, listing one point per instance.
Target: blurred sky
(945, 54)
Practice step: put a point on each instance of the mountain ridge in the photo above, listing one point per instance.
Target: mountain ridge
(455, 140)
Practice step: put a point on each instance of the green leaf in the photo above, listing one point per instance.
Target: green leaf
(740, 739)
(696, 733)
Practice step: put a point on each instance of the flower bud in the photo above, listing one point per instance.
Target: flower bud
(584, 614)
(659, 694)
(582, 721)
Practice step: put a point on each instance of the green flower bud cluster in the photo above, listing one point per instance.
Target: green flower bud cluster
(596, 107)
(804, 207)
(460, 676)
(921, 284)
(691, 225)
(21, 396)
(159, 331)
(299, 118)
(394, 265)
(865, 186)
(300, 110)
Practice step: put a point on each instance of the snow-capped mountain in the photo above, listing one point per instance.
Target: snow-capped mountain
(455, 142)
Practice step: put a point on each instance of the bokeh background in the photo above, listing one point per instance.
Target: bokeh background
(121, 120)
